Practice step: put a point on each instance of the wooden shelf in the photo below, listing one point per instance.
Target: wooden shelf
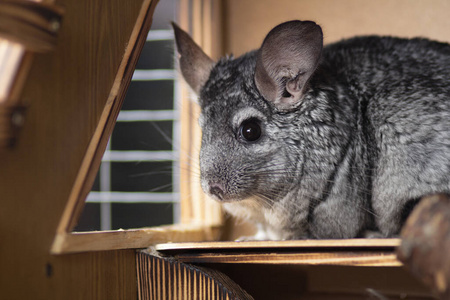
(351, 252)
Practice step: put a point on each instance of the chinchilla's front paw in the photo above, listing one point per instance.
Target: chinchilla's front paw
(260, 235)
(371, 234)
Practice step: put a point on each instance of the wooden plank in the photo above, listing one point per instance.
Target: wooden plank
(187, 170)
(131, 239)
(195, 207)
(388, 244)
(364, 259)
(352, 252)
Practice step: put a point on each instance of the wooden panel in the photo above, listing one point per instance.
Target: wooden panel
(97, 145)
(387, 244)
(133, 238)
(66, 91)
(96, 275)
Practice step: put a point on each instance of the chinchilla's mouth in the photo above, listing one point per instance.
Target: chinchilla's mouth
(226, 198)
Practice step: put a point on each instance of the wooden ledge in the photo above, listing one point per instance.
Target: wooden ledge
(352, 252)
(131, 238)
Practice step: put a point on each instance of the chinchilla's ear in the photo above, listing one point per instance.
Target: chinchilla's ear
(195, 65)
(286, 60)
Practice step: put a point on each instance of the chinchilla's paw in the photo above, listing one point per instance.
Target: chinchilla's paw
(260, 235)
(371, 234)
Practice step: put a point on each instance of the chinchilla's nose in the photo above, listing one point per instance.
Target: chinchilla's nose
(217, 189)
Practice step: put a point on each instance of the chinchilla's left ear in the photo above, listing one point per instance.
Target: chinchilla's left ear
(286, 61)
(195, 65)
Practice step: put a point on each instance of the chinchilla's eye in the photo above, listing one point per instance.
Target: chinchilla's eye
(250, 130)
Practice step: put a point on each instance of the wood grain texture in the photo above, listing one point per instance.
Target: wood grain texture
(107, 118)
(132, 238)
(67, 91)
(366, 259)
(387, 244)
(161, 278)
(353, 252)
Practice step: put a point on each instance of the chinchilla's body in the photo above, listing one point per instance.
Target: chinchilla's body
(323, 143)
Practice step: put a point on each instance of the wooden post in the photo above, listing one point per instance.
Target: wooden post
(425, 247)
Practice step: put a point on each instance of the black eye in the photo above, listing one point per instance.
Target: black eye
(250, 130)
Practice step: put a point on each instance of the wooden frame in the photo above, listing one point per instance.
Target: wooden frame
(200, 220)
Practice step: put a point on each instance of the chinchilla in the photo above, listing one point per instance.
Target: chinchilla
(323, 142)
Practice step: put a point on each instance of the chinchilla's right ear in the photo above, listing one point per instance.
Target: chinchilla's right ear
(286, 61)
(195, 65)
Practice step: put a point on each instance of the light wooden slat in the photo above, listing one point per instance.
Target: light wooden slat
(198, 198)
(186, 172)
(131, 239)
(203, 27)
(360, 259)
(232, 245)
(351, 252)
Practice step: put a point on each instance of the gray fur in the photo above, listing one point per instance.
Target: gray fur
(369, 136)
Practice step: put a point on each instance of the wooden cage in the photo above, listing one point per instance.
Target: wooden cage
(57, 112)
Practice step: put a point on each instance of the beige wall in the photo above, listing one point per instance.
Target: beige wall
(248, 21)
